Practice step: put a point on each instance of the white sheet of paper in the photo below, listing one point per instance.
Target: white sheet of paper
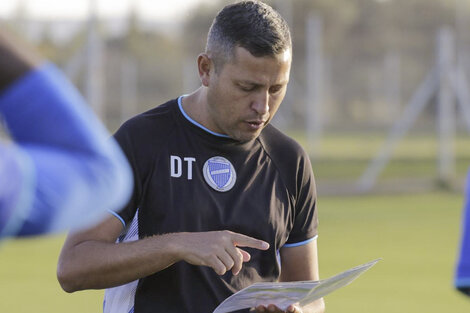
(284, 294)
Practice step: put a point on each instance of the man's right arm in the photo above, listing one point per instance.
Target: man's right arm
(92, 259)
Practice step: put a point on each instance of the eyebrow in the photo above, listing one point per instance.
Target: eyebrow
(248, 82)
(253, 83)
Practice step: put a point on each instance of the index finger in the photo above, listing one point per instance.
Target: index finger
(240, 240)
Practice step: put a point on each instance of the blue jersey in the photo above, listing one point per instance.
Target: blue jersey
(462, 279)
(61, 170)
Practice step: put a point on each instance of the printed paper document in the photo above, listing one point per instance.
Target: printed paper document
(284, 294)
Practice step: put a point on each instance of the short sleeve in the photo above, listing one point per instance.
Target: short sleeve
(306, 219)
(124, 137)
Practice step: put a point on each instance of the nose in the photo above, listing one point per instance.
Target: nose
(260, 103)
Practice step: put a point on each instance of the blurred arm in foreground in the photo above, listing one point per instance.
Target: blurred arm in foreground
(61, 170)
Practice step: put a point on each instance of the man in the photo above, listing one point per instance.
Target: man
(60, 170)
(222, 199)
(462, 277)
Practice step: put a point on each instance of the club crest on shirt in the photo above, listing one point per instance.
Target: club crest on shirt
(219, 173)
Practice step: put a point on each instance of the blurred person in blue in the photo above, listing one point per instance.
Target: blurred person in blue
(462, 277)
(59, 169)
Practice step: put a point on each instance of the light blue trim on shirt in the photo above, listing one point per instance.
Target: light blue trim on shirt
(296, 244)
(118, 217)
(180, 105)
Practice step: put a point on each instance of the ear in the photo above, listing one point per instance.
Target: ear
(204, 65)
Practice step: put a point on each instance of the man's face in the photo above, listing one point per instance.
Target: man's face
(246, 92)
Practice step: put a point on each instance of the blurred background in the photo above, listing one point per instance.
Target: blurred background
(379, 96)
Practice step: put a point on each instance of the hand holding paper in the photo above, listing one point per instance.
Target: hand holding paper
(287, 293)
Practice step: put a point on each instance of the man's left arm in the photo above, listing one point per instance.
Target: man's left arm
(299, 263)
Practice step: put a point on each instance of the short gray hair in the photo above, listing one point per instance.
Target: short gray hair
(252, 25)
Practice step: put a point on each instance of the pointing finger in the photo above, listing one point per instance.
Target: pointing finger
(240, 240)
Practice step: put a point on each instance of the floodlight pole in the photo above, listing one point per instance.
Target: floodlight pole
(128, 88)
(93, 77)
(314, 101)
(286, 111)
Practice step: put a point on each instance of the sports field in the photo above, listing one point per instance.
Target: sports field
(416, 235)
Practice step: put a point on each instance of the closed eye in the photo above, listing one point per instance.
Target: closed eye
(275, 89)
(247, 88)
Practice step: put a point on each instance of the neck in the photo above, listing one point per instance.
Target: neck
(195, 105)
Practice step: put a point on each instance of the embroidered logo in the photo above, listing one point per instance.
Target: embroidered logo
(219, 173)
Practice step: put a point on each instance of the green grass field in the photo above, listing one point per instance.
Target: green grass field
(416, 235)
(345, 157)
(28, 281)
